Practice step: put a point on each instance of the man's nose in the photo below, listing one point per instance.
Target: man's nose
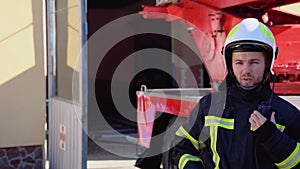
(247, 68)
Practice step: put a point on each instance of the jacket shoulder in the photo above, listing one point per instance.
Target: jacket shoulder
(286, 112)
(281, 104)
(213, 103)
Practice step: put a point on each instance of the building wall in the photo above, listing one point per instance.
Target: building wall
(292, 8)
(67, 48)
(22, 77)
(30, 157)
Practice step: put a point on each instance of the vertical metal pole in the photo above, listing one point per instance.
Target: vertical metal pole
(83, 78)
(51, 45)
(51, 71)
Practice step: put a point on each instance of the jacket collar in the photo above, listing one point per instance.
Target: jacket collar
(260, 93)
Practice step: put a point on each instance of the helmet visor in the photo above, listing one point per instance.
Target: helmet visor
(249, 46)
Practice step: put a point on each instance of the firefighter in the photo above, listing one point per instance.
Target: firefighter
(243, 125)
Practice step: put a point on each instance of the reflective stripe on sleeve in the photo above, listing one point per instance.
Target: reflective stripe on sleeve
(292, 160)
(280, 127)
(186, 158)
(181, 132)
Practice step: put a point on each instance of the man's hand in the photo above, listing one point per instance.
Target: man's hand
(256, 119)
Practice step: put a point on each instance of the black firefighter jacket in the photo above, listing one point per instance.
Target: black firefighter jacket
(217, 134)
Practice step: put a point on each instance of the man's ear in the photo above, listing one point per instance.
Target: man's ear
(268, 59)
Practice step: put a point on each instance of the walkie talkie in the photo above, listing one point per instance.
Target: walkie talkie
(265, 107)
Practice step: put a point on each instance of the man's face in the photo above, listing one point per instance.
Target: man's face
(248, 67)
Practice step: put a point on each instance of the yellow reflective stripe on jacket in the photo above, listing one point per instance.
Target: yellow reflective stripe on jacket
(186, 158)
(214, 122)
(213, 144)
(292, 160)
(181, 132)
(219, 121)
(280, 127)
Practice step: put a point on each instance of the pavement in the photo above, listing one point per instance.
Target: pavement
(111, 164)
(110, 151)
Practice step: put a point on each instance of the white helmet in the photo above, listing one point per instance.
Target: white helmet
(250, 35)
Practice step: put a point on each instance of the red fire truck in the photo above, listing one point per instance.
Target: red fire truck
(214, 18)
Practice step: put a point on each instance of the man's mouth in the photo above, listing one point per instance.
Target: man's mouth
(246, 79)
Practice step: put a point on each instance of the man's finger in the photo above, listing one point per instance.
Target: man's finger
(258, 114)
(273, 118)
(256, 119)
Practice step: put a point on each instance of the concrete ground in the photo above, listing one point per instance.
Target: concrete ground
(111, 152)
(111, 164)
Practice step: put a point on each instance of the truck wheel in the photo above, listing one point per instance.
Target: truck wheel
(169, 142)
